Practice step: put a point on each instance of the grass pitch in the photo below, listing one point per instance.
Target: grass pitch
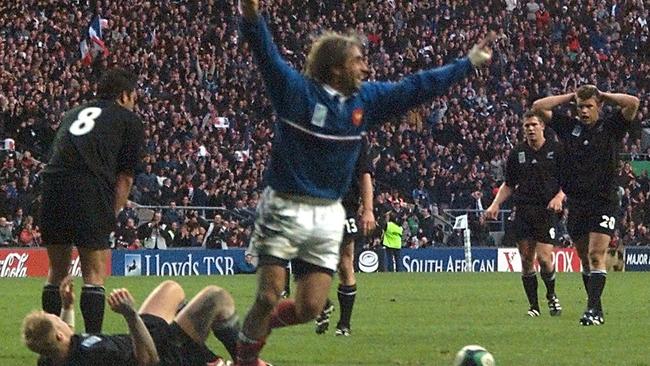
(411, 319)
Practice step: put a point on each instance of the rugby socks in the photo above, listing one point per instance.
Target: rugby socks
(284, 314)
(530, 286)
(549, 281)
(586, 275)
(92, 307)
(248, 350)
(227, 332)
(596, 287)
(346, 296)
(51, 299)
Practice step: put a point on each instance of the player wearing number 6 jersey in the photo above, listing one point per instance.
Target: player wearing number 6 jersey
(532, 178)
(85, 184)
(592, 143)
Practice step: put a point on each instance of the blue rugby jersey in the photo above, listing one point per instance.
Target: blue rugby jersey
(318, 137)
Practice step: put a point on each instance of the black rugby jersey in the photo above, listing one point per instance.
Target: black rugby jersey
(591, 161)
(534, 175)
(352, 199)
(98, 139)
(98, 350)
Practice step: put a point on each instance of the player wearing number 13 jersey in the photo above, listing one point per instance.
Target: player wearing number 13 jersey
(86, 182)
(359, 220)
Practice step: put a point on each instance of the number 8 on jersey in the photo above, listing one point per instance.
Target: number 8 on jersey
(85, 121)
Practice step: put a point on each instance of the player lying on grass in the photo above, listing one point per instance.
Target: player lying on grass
(159, 334)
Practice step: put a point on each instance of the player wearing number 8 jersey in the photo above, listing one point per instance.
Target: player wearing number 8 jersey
(85, 183)
(532, 178)
(592, 144)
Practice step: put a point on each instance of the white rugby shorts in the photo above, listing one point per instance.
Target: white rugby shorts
(303, 228)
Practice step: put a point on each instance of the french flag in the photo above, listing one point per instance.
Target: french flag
(95, 33)
(86, 55)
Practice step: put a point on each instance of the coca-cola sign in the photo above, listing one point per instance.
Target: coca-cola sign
(13, 265)
(33, 262)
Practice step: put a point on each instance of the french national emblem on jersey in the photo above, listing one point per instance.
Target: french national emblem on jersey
(521, 157)
(357, 117)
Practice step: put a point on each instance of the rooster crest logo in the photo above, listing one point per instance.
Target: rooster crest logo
(357, 117)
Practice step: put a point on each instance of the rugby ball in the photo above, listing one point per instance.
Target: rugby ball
(474, 355)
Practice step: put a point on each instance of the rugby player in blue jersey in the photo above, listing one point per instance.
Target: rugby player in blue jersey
(322, 116)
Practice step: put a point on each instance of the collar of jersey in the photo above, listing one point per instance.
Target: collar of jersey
(334, 93)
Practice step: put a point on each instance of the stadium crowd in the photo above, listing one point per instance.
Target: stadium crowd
(209, 126)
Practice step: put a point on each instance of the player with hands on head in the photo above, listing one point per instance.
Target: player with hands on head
(592, 140)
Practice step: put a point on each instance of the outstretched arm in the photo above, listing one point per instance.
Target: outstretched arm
(283, 83)
(629, 104)
(144, 348)
(393, 99)
(545, 105)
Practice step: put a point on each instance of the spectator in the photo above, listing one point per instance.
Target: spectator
(126, 234)
(155, 234)
(217, 234)
(194, 70)
(147, 183)
(6, 233)
(128, 212)
(184, 238)
(173, 215)
(29, 236)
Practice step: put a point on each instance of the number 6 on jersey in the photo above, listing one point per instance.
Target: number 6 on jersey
(85, 121)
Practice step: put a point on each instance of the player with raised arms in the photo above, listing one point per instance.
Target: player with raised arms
(323, 113)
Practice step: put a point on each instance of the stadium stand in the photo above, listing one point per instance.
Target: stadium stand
(209, 124)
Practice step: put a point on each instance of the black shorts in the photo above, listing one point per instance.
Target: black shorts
(174, 346)
(76, 212)
(533, 223)
(351, 229)
(585, 218)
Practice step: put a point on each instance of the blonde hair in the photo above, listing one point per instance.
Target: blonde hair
(328, 51)
(38, 333)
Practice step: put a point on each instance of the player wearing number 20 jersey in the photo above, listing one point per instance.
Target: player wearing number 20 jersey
(86, 182)
(592, 142)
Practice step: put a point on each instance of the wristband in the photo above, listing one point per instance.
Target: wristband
(67, 315)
